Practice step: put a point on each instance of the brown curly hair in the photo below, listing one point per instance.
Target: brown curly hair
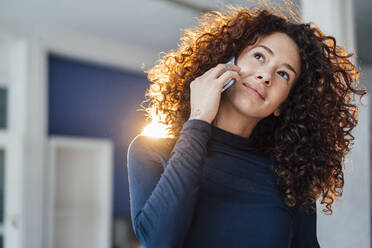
(308, 141)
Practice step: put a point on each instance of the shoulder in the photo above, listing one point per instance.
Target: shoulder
(145, 144)
(149, 149)
(305, 214)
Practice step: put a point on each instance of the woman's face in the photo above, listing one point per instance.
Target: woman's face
(271, 65)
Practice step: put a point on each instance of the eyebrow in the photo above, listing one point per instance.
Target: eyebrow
(272, 54)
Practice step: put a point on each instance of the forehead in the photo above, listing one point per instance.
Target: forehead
(284, 48)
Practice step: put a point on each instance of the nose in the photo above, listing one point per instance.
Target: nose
(262, 77)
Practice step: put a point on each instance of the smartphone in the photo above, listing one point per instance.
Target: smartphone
(231, 81)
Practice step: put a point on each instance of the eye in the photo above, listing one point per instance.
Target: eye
(284, 74)
(258, 56)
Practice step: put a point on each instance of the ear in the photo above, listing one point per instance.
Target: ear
(276, 112)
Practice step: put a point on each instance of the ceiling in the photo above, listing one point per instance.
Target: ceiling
(155, 24)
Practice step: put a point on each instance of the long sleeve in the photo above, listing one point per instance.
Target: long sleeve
(305, 235)
(162, 197)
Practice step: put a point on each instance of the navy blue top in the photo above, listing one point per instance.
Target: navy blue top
(213, 189)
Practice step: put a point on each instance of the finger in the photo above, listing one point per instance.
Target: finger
(228, 75)
(221, 68)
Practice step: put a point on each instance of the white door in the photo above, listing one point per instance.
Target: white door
(79, 192)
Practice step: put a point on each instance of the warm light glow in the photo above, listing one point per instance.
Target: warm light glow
(155, 130)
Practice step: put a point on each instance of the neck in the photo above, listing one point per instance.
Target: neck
(230, 119)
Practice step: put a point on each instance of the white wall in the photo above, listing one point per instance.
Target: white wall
(34, 108)
(12, 70)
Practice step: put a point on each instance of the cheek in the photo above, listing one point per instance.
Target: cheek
(248, 67)
(278, 96)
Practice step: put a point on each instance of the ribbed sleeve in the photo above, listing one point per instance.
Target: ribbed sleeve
(162, 198)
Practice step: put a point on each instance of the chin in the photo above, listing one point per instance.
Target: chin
(252, 109)
(245, 105)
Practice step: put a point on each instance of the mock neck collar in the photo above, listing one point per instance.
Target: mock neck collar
(220, 135)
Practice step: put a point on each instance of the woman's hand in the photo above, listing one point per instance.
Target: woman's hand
(205, 91)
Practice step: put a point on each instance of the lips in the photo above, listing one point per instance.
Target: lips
(260, 91)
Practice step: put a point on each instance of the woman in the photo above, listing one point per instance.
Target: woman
(243, 168)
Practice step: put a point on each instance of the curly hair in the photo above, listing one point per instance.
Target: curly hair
(309, 140)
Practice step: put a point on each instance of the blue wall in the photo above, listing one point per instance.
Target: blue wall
(92, 100)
